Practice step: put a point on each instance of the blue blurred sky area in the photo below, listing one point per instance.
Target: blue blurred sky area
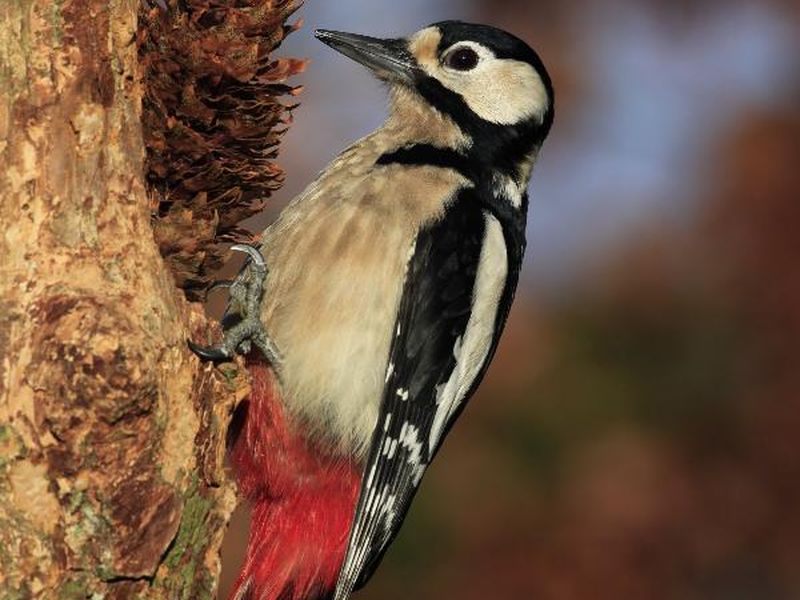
(629, 147)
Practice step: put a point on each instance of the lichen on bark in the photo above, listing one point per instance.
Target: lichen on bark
(111, 433)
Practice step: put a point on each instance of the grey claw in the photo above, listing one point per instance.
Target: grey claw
(215, 355)
(268, 350)
(223, 283)
(247, 330)
(245, 347)
(254, 254)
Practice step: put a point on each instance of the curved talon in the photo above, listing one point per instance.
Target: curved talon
(242, 326)
(222, 283)
(206, 354)
(254, 254)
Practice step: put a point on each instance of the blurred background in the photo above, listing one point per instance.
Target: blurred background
(638, 435)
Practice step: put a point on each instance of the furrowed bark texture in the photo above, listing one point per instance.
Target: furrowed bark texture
(111, 432)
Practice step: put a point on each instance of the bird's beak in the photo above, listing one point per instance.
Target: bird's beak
(388, 59)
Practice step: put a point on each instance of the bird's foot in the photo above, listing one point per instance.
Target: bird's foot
(245, 296)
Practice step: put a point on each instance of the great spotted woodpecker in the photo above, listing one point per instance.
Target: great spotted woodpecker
(390, 281)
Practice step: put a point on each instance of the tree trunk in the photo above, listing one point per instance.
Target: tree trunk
(111, 432)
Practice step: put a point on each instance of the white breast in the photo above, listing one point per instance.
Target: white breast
(472, 349)
(337, 258)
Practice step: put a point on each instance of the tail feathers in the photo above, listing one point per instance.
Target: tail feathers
(291, 556)
(303, 499)
(243, 590)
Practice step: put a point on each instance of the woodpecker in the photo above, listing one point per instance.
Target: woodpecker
(390, 280)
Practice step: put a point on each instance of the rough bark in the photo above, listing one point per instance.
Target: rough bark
(111, 432)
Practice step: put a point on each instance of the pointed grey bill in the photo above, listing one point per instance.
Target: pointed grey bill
(388, 59)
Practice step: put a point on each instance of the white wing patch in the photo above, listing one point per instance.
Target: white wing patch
(472, 349)
(412, 432)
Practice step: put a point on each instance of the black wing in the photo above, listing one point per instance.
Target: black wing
(432, 318)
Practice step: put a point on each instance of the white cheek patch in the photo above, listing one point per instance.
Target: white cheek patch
(501, 91)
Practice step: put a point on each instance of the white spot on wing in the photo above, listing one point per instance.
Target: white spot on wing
(389, 448)
(409, 439)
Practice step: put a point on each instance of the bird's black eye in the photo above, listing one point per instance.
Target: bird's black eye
(463, 59)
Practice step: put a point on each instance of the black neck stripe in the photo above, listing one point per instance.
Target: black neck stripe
(502, 147)
(428, 155)
(446, 158)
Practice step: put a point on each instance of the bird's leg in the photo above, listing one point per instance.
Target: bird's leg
(245, 296)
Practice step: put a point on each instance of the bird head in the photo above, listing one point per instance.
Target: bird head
(481, 77)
